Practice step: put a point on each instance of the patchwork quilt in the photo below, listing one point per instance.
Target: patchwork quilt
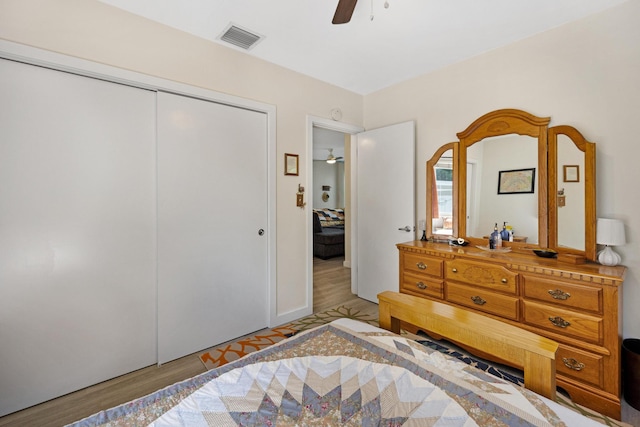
(345, 373)
(330, 217)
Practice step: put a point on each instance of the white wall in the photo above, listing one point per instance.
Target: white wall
(95, 31)
(333, 176)
(585, 74)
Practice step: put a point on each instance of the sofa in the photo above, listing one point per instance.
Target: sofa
(328, 233)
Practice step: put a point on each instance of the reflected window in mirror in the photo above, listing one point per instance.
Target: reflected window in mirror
(442, 203)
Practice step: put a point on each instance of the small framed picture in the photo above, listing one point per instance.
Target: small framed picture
(571, 173)
(290, 164)
(516, 181)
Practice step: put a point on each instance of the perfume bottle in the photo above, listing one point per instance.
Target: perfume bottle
(504, 234)
(494, 238)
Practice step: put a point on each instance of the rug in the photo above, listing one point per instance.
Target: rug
(230, 351)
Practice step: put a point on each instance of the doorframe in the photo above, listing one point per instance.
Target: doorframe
(347, 128)
(60, 62)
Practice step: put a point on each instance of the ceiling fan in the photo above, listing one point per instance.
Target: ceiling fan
(344, 11)
(331, 159)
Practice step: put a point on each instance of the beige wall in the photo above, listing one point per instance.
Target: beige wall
(585, 74)
(92, 30)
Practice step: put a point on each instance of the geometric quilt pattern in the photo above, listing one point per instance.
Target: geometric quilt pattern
(317, 391)
(345, 373)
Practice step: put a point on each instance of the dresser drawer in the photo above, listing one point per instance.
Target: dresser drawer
(483, 300)
(580, 365)
(562, 293)
(481, 274)
(419, 285)
(416, 263)
(565, 322)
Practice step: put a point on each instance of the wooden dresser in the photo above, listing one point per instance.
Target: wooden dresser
(579, 306)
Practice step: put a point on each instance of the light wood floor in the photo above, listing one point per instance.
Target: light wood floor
(332, 287)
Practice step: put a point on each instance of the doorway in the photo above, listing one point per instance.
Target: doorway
(331, 278)
(328, 186)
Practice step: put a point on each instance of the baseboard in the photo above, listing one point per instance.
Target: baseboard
(346, 264)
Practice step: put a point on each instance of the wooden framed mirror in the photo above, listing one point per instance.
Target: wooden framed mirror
(561, 212)
(503, 140)
(442, 193)
(572, 196)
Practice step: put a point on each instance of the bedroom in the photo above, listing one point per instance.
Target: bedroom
(584, 74)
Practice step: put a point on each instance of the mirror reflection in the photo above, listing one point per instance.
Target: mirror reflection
(442, 192)
(464, 198)
(570, 194)
(485, 207)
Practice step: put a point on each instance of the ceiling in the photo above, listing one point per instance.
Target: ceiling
(323, 139)
(380, 46)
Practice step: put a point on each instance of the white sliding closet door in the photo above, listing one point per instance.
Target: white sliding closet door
(77, 232)
(212, 202)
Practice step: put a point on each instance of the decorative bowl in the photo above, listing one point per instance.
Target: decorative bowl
(545, 253)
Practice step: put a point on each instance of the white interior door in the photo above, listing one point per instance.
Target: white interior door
(385, 205)
(212, 204)
(77, 232)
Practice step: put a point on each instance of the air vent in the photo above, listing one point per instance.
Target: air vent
(240, 37)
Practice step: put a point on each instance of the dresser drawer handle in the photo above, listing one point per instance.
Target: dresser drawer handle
(558, 294)
(559, 322)
(421, 285)
(478, 300)
(573, 364)
(504, 280)
(455, 270)
(421, 265)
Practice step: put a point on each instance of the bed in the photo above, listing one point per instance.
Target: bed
(351, 373)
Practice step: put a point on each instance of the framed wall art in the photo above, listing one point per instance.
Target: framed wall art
(290, 164)
(516, 181)
(571, 173)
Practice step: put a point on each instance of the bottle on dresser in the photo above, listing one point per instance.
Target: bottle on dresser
(495, 241)
(504, 234)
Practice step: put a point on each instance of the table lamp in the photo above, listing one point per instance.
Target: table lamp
(610, 232)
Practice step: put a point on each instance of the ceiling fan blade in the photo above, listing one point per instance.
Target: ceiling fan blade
(344, 11)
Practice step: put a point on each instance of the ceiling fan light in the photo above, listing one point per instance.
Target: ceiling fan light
(331, 161)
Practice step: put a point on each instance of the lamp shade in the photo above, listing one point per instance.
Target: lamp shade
(610, 232)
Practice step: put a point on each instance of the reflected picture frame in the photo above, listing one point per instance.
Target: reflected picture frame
(517, 181)
(290, 164)
(571, 173)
